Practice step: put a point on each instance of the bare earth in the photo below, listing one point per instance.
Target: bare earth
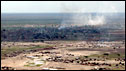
(63, 49)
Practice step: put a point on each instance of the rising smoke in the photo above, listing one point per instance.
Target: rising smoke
(80, 18)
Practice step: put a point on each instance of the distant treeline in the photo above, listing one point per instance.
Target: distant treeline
(48, 33)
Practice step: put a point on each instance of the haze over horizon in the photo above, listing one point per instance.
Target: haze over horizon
(62, 6)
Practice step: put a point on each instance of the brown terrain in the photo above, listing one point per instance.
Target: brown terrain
(63, 55)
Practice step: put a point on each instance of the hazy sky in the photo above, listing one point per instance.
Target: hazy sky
(61, 6)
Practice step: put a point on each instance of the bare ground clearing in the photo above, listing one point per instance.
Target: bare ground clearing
(61, 56)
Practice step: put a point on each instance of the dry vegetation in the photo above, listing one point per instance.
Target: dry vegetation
(63, 55)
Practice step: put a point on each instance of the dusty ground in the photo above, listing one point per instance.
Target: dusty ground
(76, 48)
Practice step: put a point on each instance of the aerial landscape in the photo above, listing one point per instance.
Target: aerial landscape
(47, 35)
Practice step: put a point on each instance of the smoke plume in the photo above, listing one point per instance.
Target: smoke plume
(80, 18)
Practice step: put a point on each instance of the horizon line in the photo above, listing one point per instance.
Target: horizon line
(61, 12)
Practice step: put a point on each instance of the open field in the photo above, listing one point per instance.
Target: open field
(63, 55)
(63, 35)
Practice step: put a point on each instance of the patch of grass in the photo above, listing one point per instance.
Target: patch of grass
(110, 56)
(30, 64)
(10, 50)
(7, 50)
(33, 65)
(38, 65)
(96, 55)
(26, 65)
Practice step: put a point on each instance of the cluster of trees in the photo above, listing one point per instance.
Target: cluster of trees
(48, 33)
